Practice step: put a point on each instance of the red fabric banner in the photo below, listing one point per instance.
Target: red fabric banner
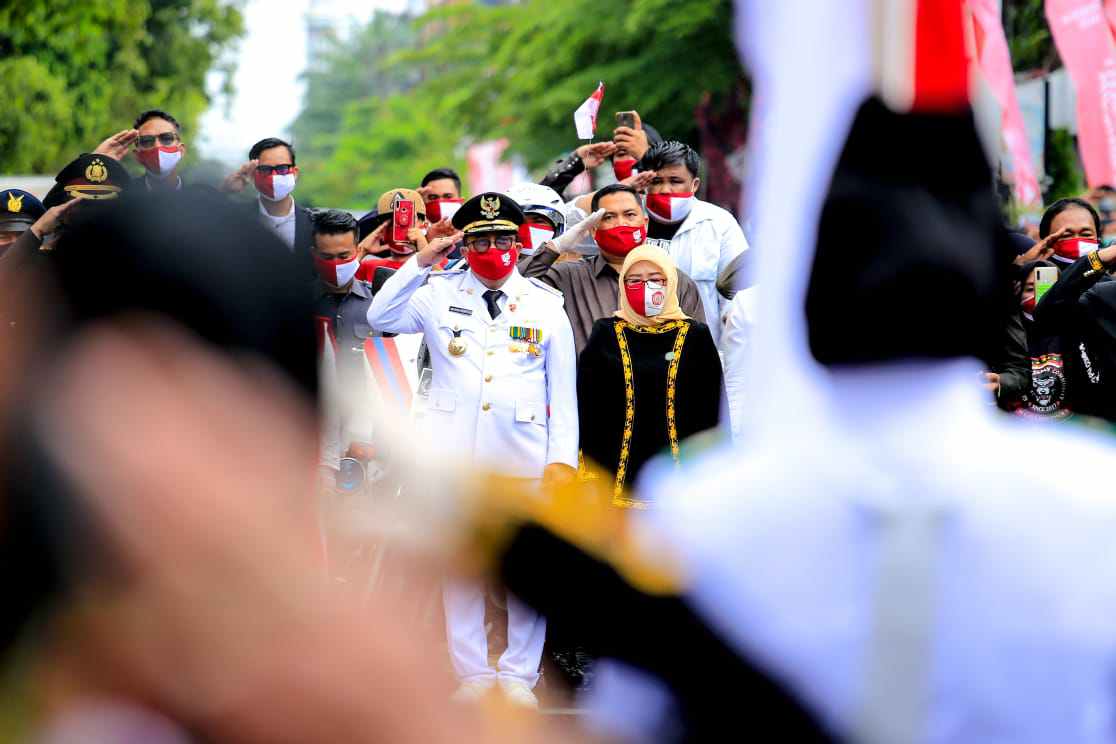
(1085, 42)
(994, 62)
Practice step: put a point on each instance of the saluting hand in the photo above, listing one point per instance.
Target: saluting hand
(440, 229)
(639, 181)
(595, 154)
(50, 220)
(118, 145)
(437, 249)
(573, 235)
(373, 242)
(236, 182)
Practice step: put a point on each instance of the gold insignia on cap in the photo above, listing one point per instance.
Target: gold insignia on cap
(96, 172)
(490, 206)
(14, 204)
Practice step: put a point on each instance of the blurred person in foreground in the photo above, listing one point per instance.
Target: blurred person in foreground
(911, 542)
(590, 287)
(173, 583)
(503, 395)
(648, 379)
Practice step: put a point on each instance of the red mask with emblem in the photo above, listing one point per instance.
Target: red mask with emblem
(646, 298)
(621, 239)
(494, 264)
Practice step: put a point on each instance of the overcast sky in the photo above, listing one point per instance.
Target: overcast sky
(270, 58)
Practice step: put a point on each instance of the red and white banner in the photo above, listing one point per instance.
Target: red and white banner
(585, 118)
(1086, 45)
(994, 62)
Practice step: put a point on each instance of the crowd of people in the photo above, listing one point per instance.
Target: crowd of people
(560, 340)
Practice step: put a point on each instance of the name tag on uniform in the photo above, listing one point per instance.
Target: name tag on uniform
(658, 243)
(460, 310)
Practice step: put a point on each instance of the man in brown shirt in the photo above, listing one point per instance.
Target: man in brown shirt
(591, 286)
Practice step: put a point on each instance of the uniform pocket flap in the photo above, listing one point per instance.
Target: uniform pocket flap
(530, 412)
(443, 400)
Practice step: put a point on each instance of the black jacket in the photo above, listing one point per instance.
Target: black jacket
(1062, 343)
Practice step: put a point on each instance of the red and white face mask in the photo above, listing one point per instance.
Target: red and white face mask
(336, 272)
(646, 298)
(621, 239)
(160, 161)
(1071, 249)
(442, 209)
(533, 236)
(275, 187)
(622, 167)
(670, 208)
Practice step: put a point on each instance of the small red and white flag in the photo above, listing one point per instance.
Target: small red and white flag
(585, 118)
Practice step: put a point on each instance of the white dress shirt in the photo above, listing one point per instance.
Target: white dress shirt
(510, 404)
(283, 226)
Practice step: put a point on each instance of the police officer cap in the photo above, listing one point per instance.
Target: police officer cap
(488, 212)
(90, 176)
(18, 210)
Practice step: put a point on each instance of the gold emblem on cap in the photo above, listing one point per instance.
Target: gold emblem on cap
(96, 172)
(14, 204)
(490, 206)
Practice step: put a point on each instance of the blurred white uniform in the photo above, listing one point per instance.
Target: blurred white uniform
(507, 404)
(917, 567)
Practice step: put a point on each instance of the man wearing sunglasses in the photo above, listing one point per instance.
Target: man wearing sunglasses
(159, 148)
(503, 396)
(271, 169)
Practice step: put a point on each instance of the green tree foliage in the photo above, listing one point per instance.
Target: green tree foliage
(72, 73)
(355, 137)
(515, 71)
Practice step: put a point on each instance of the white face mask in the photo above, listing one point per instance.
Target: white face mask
(281, 187)
(165, 162)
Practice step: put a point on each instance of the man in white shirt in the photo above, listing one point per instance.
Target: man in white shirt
(271, 167)
(702, 238)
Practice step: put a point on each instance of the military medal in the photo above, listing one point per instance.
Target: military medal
(533, 337)
(456, 345)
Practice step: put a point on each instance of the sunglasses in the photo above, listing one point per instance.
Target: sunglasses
(480, 245)
(147, 141)
(281, 170)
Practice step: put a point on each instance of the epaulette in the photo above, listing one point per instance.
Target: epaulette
(543, 285)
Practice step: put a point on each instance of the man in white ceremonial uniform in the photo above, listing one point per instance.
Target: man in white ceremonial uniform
(888, 545)
(503, 393)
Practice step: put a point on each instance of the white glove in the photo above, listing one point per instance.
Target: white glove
(573, 235)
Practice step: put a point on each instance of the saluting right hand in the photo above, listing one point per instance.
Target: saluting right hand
(571, 237)
(236, 182)
(50, 220)
(437, 249)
